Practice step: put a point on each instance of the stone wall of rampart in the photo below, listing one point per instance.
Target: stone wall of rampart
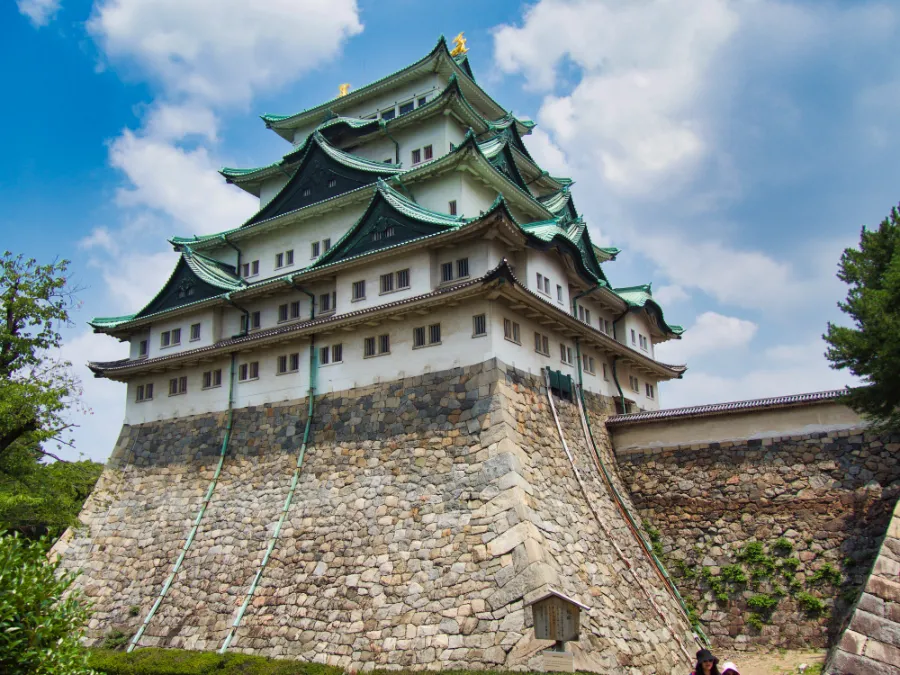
(429, 511)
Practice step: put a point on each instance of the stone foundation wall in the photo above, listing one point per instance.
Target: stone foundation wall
(828, 496)
(429, 511)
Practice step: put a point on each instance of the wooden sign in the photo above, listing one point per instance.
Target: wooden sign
(556, 618)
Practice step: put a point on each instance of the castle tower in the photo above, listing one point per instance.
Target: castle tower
(338, 442)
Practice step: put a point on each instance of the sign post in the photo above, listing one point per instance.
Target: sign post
(557, 617)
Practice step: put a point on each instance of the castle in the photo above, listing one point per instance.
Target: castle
(380, 421)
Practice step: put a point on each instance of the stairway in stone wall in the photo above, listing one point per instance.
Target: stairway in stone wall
(870, 645)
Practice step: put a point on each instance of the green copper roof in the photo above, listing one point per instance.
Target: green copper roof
(557, 201)
(349, 160)
(213, 272)
(110, 321)
(642, 297)
(608, 252)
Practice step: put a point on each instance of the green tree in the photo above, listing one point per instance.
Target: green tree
(35, 389)
(40, 623)
(870, 349)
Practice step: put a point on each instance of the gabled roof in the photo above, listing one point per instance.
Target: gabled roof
(436, 60)
(560, 202)
(572, 235)
(498, 151)
(605, 253)
(323, 171)
(390, 219)
(195, 278)
(641, 297)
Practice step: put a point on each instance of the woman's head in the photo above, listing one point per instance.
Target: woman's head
(706, 663)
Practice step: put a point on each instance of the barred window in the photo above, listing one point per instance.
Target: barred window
(195, 331)
(255, 319)
(428, 151)
(403, 279)
(279, 260)
(542, 344)
(406, 107)
(143, 347)
(384, 344)
(479, 325)
(289, 257)
(316, 248)
(176, 336)
(462, 268)
(165, 338)
(452, 207)
(511, 331)
(387, 282)
(434, 333)
(283, 312)
(324, 356)
(419, 337)
(649, 390)
(177, 385)
(359, 290)
(446, 272)
(337, 353)
(295, 309)
(212, 378)
(369, 346)
(416, 156)
(254, 268)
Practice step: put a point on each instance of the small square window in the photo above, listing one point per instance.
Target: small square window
(511, 331)
(254, 268)
(422, 100)
(337, 353)
(403, 279)
(289, 257)
(452, 207)
(446, 272)
(326, 244)
(165, 338)
(359, 290)
(387, 282)
(324, 356)
(282, 312)
(176, 336)
(332, 182)
(143, 347)
(428, 151)
(325, 302)
(307, 192)
(419, 337)
(384, 344)
(279, 260)
(315, 249)
(406, 107)
(369, 346)
(479, 325)
(255, 319)
(416, 156)
(195, 331)
(434, 334)
(462, 268)
(388, 114)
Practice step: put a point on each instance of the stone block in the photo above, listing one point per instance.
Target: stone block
(884, 589)
(883, 653)
(852, 664)
(876, 627)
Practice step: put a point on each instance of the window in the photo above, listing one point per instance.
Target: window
(386, 233)
(144, 392)
(446, 272)
(246, 270)
(634, 383)
(295, 309)
(248, 371)
(584, 314)
(462, 268)
(382, 344)
(195, 331)
(282, 313)
(418, 337)
(581, 312)
(332, 182)
(307, 192)
(250, 269)
(645, 343)
(327, 301)
(479, 325)
(332, 354)
(406, 107)
(359, 290)
(165, 338)
(423, 337)
(176, 336)
(387, 282)
(388, 114)
(255, 319)
(279, 260)
(178, 385)
(212, 378)
(143, 347)
(422, 100)
(416, 155)
(511, 331)
(434, 334)
(326, 244)
(284, 259)
(288, 363)
(402, 279)
(565, 354)
(428, 151)
(389, 160)
(608, 326)
(542, 344)
(648, 388)
(540, 282)
(452, 207)
(632, 336)
(589, 365)
(605, 372)
(315, 249)
(559, 295)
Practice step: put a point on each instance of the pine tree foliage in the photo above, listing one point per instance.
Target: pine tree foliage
(870, 348)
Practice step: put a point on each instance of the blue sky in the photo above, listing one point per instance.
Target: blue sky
(732, 150)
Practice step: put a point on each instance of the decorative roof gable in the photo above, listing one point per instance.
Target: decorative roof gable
(194, 278)
(389, 220)
(323, 172)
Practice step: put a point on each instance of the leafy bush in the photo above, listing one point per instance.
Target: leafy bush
(39, 628)
(755, 621)
(152, 661)
(762, 603)
(734, 574)
(783, 547)
(810, 603)
(826, 574)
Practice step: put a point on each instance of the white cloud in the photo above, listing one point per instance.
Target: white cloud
(101, 239)
(223, 51)
(643, 66)
(133, 285)
(174, 122)
(181, 183)
(40, 12)
(711, 332)
(547, 154)
(670, 295)
(793, 369)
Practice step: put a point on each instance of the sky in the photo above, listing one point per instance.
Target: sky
(732, 150)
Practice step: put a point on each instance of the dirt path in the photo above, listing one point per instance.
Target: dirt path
(777, 663)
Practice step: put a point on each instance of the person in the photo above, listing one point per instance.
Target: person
(707, 664)
(728, 668)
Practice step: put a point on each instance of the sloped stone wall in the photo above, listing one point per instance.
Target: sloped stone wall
(871, 642)
(429, 510)
(828, 494)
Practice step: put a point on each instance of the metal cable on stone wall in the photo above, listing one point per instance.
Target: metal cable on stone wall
(603, 526)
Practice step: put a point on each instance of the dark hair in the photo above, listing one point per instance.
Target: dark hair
(706, 655)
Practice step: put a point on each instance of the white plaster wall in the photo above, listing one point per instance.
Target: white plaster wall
(419, 282)
(436, 193)
(134, 349)
(547, 265)
(476, 197)
(637, 322)
(184, 322)
(639, 397)
(269, 188)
